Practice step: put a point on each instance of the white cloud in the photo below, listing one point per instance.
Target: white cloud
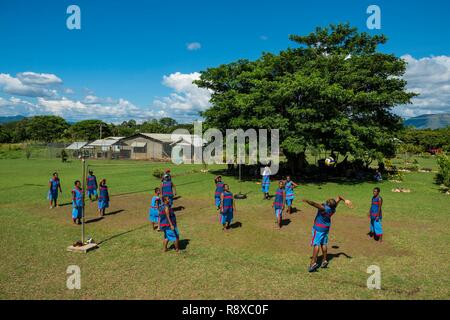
(187, 99)
(15, 86)
(32, 78)
(15, 106)
(42, 96)
(106, 109)
(430, 77)
(192, 46)
(263, 38)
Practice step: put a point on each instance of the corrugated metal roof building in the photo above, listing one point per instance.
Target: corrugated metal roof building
(158, 146)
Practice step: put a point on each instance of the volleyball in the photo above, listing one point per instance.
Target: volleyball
(330, 161)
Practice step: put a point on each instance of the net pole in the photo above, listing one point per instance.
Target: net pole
(83, 161)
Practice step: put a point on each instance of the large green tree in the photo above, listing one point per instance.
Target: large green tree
(89, 130)
(334, 91)
(46, 128)
(5, 136)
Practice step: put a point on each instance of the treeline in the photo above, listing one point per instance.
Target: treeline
(54, 128)
(418, 141)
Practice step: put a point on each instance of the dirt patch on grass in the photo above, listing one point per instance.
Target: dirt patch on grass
(126, 210)
(348, 235)
(254, 226)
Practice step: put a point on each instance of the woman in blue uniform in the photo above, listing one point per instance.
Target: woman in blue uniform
(168, 223)
(278, 203)
(219, 189)
(321, 228)
(103, 199)
(91, 184)
(375, 216)
(155, 207)
(227, 207)
(265, 184)
(168, 188)
(77, 203)
(290, 195)
(54, 186)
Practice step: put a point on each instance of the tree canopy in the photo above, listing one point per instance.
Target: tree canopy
(52, 128)
(334, 91)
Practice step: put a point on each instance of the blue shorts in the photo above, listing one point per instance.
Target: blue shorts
(265, 188)
(52, 195)
(289, 202)
(103, 204)
(217, 202)
(319, 238)
(153, 215)
(376, 227)
(226, 217)
(278, 212)
(92, 192)
(171, 235)
(77, 212)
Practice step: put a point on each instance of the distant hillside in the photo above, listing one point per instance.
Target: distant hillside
(429, 121)
(10, 119)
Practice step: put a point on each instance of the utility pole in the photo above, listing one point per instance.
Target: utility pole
(101, 126)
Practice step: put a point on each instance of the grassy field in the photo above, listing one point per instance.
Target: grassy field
(254, 260)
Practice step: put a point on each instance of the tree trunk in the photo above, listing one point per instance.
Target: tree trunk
(297, 162)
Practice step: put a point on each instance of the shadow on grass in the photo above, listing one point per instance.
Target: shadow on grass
(314, 179)
(123, 233)
(179, 208)
(94, 220)
(114, 212)
(236, 225)
(331, 256)
(64, 204)
(294, 210)
(183, 244)
(285, 222)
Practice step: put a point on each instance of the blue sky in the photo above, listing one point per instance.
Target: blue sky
(131, 59)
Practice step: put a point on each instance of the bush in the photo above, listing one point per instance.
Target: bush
(443, 175)
(158, 173)
(413, 168)
(63, 156)
(396, 177)
(389, 166)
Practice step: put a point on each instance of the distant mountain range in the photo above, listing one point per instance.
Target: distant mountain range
(11, 119)
(429, 121)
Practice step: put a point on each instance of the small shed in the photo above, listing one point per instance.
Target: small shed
(108, 148)
(158, 146)
(76, 148)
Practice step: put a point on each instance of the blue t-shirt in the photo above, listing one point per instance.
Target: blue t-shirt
(322, 222)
